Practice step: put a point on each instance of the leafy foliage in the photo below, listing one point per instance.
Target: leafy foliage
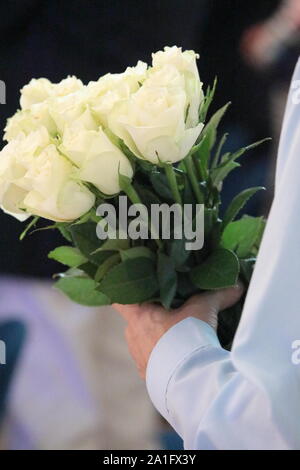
(167, 279)
(131, 271)
(67, 255)
(219, 270)
(82, 290)
(243, 236)
(131, 281)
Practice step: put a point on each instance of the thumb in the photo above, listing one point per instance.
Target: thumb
(225, 298)
(213, 301)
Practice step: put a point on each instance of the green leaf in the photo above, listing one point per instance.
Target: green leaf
(167, 279)
(114, 244)
(243, 235)
(201, 153)
(160, 185)
(113, 137)
(100, 196)
(210, 130)
(106, 266)
(185, 288)
(208, 140)
(137, 252)
(230, 157)
(219, 173)
(71, 272)
(238, 203)
(67, 255)
(64, 231)
(228, 163)
(131, 281)
(259, 236)
(221, 143)
(144, 165)
(82, 290)
(209, 95)
(85, 238)
(89, 268)
(219, 270)
(177, 251)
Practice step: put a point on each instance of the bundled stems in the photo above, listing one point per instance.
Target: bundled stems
(171, 177)
(197, 165)
(135, 199)
(191, 172)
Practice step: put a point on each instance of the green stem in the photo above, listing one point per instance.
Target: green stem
(191, 171)
(31, 224)
(197, 164)
(132, 194)
(135, 199)
(171, 177)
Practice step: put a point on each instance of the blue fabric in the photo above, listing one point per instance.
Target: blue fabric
(12, 334)
(171, 441)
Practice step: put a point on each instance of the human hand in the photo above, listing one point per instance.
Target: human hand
(148, 322)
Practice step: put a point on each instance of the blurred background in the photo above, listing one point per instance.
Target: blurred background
(68, 382)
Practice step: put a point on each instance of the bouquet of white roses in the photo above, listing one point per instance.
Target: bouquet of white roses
(130, 170)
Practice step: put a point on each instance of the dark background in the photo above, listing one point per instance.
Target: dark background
(54, 39)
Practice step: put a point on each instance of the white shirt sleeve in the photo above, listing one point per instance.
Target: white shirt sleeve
(249, 398)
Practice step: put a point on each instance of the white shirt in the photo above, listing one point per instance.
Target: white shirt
(248, 398)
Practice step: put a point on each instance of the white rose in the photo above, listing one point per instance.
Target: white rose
(110, 89)
(36, 179)
(15, 160)
(43, 103)
(39, 90)
(185, 63)
(11, 197)
(152, 122)
(28, 120)
(66, 86)
(98, 160)
(36, 91)
(54, 193)
(71, 110)
(17, 155)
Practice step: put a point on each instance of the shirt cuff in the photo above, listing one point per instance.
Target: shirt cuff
(178, 343)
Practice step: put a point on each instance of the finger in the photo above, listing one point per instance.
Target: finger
(132, 311)
(225, 298)
(215, 300)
